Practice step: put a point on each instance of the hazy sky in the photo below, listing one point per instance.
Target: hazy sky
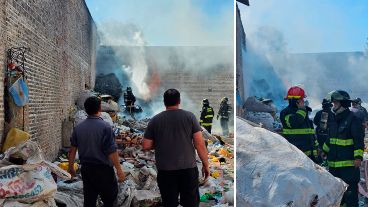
(171, 22)
(311, 25)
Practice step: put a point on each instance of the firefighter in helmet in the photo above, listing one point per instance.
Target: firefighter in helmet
(344, 145)
(297, 127)
(224, 113)
(360, 111)
(129, 98)
(206, 115)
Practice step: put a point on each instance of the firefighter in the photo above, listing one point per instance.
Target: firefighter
(297, 127)
(206, 115)
(344, 146)
(224, 113)
(321, 120)
(129, 98)
(360, 111)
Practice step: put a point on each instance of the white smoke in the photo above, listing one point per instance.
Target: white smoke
(267, 59)
(174, 36)
(319, 72)
(119, 34)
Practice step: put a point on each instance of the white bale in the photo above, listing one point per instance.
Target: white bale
(273, 172)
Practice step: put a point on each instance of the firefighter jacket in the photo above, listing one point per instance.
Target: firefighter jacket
(206, 116)
(298, 130)
(129, 98)
(224, 111)
(346, 140)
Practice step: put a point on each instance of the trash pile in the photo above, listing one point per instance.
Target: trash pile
(26, 179)
(218, 189)
(263, 112)
(273, 172)
(140, 187)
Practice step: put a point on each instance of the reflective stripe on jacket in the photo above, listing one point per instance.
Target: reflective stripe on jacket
(346, 140)
(298, 130)
(207, 114)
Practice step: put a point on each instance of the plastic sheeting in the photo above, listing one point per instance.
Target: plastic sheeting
(273, 172)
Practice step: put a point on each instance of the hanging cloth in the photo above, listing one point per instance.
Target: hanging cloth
(19, 92)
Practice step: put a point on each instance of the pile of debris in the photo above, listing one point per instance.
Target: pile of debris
(140, 187)
(26, 179)
(218, 189)
(263, 112)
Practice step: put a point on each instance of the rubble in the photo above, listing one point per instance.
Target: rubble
(279, 173)
(256, 105)
(140, 187)
(263, 112)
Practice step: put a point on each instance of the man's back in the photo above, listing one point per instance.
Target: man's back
(94, 139)
(172, 132)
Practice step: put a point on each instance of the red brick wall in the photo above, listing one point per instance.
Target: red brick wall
(61, 36)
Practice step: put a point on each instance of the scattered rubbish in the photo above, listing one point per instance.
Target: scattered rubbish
(140, 187)
(29, 184)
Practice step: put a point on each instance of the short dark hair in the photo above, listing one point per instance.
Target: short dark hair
(92, 105)
(171, 97)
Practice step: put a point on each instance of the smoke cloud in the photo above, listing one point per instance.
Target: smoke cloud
(270, 69)
(183, 39)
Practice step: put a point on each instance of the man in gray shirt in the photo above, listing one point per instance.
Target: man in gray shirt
(94, 139)
(175, 134)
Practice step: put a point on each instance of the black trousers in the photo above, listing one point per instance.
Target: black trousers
(224, 126)
(208, 128)
(173, 183)
(99, 180)
(351, 176)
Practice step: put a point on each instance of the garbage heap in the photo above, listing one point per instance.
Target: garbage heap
(26, 178)
(140, 187)
(262, 111)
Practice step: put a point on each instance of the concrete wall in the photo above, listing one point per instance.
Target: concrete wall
(61, 36)
(240, 47)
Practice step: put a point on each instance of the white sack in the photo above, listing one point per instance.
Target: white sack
(272, 172)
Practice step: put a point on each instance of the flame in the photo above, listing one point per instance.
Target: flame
(155, 80)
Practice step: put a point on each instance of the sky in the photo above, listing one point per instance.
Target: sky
(168, 22)
(310, 26)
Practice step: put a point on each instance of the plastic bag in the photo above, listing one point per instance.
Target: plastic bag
(14, 137)
(19, 92)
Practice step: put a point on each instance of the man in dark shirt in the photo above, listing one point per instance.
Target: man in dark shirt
(94, 139)
(175, 134)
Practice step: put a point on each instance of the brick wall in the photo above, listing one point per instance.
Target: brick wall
(213, 85)
(2, 64)
(61, 36)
